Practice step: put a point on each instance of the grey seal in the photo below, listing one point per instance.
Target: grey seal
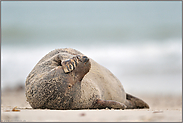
(65, 79)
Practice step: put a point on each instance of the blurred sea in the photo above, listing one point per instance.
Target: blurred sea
(139, 42)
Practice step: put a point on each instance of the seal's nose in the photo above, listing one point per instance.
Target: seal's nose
(85, 59)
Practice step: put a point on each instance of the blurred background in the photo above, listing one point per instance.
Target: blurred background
(139, 42)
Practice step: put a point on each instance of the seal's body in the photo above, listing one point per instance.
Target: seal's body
(66, 79)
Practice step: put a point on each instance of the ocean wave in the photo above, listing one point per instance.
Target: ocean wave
(123, 60)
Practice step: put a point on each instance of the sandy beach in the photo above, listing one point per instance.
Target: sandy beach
(139, 42)
(163, 108)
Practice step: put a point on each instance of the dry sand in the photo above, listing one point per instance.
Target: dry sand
(166, 108)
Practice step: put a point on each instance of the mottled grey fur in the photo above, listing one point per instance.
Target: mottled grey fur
(66, 79)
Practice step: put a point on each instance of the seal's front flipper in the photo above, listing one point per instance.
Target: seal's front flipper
(71, 64)
(100, 104)
(134, 102)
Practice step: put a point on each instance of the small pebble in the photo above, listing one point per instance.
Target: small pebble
(82, 114)
(157, 111)
(14, 109)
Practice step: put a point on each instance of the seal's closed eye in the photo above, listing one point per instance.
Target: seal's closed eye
(59, 63)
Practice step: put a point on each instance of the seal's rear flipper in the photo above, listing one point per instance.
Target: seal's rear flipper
(134, 102)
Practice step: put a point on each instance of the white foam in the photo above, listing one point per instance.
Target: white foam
(121, 59)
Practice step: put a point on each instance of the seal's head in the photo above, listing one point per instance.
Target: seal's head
(63, 83)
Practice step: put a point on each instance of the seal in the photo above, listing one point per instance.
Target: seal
(66, 79)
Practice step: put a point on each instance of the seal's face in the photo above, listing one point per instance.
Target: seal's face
(67, 79)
